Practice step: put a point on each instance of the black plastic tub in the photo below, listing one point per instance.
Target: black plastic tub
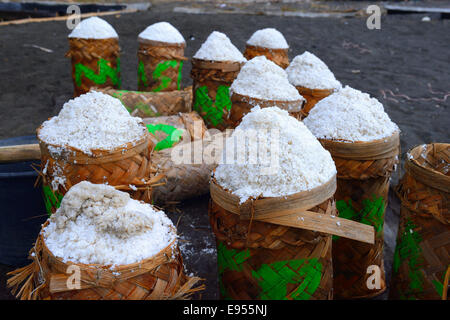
(22, 207)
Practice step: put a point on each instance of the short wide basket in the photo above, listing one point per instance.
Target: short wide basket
(160, 65)
(261, 260)
(211, 90)
(363, 173)
(278, 56)
(95, 63)
(127, 168)
(156, 278)
(422, 255)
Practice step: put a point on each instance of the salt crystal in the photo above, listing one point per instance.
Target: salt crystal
(218, 47)
(268, 38)
(93, 28)
(163, 32)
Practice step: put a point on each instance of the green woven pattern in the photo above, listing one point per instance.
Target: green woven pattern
(212, 112)
(158, 75)
(52, 200)
(104, 72)
(173, 135)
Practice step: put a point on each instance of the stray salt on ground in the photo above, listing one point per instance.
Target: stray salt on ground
(92, 121)
(163, 32)
(262, 79)
(307, 70)
(303, 163)
(218, 47)
(100, 225)
(350, 115)
(268, 38)
(93, 28)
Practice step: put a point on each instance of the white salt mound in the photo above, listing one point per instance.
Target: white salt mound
(307, 70)
(163, 32)
(303, 163)
(351, 115)
(262, 79)
(268, 38)
(101, 225)
(218, 47)
(92, 121)
(93, 28)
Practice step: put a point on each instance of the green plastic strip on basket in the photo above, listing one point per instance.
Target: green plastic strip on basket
(212, 111)
(104, 72)
(371, 214)
(157, 74)
(173, 135)
(408, 249)
(52, 199)
(275, 277)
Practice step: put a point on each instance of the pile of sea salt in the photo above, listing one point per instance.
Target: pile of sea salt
(268, 38)
(100, 225)
(92, 121)
(93, 28)
(350, 115)
(307, 70)
(289, 158)
(218, 47)
(262, 79)
(163, 32)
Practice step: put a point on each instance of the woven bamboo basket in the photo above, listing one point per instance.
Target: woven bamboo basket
(363, 174)
(261, 260)
(242, 105)
(160, 65)
(422, 256)
(153, 104)
(211, 98)
(122, 168)
(156, 278)
(278, 56)
(95, 63)
(312, 96)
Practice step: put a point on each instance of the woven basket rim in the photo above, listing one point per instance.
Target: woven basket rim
(154, 43)
(92, 39)
(224, 66)
(425, 174)
(314, 91)
(262, 101)
(108, 268)
(326, 191)
(96, 153)
(364, 150)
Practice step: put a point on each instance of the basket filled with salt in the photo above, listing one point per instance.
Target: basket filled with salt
(312, 78)
(95, 55)
(214, 67)
(422, 255)
(364, 144)
(273, 212)
(268, 42)
(94, 138)
(161, 58)
(103, 245)
(261, 82)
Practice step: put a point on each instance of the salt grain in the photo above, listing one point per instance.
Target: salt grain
(350, 115)
(92, 121)
(303, 163)
(96, 224)
(262, 79)
(163, 32)
(268, 38)
(218, 47)
(93, 28)
(307, 70)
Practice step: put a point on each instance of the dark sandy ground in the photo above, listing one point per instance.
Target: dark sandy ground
(405, 65)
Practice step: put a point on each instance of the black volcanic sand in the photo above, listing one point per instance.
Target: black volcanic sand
(405, 65)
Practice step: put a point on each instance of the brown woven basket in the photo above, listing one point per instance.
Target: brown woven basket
(156, 278)
(242, 105)
(363, 174)
(312, 96)
(153, 104)
(160, 65)
(211, 98)
(95, 63)
(278, 56)
(261, 260)
(120, 168)
(422, 256)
